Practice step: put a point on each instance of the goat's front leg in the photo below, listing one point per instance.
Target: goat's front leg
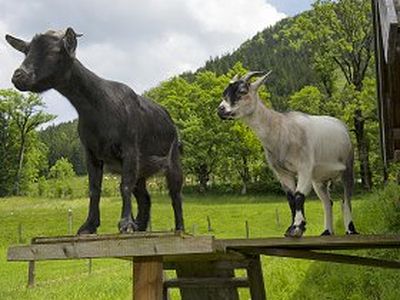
(95, 172)
(128, 182)
(302, 189)
(289, 186)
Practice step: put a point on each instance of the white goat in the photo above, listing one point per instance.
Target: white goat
(312, 149)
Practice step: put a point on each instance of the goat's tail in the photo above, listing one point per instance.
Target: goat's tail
(348, 177)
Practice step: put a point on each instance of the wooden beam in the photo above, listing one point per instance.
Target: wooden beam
(31, 274)
(148, 280)
(210, 282)
(222, 263)
(129, 247)
(256, 279)
(311, 243)
(332, 257)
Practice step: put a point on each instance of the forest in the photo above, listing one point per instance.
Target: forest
(322, 62)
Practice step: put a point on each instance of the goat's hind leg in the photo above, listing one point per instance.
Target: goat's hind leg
(322, 191)
(143, 204)
(346, 204)
(174, 178)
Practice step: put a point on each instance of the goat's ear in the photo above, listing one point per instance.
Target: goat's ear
(70, 42)
(18, 44)
(257, 84)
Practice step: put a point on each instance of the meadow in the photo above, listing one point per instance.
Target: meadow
(267, 215)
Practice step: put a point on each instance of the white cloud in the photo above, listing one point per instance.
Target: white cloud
(137, 42)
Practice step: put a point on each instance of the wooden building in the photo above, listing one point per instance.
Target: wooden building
(387, 55)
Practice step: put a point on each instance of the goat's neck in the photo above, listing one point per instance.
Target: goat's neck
(266, 123)
(83, 88)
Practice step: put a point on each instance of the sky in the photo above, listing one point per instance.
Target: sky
(140, 43)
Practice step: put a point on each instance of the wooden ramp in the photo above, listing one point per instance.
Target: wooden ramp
(205, 266)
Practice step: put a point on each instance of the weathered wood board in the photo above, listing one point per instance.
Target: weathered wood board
(111, 246)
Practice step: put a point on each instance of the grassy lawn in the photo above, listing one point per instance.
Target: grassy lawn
(111, 278)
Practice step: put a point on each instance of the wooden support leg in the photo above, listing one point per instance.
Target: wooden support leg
(256, 279)
(148, 279)
(31, 274)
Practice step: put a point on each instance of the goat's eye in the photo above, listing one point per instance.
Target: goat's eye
(242, 91)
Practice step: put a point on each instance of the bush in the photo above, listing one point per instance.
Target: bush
(62, 169)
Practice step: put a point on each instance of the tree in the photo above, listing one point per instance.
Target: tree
(25, 115)
(308, 100)
(63, 140)
(338, 35)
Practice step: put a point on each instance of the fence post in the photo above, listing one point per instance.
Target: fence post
(247, 229)
(194, 229)
(70, 220)
(209, 228)
(278, 223)
(20, 241)
(90, 266)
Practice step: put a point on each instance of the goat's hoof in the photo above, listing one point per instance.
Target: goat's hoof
(351, 232)
(179, 232)
(140, 226)
(326, 232)
(296, 230)
(87, 228)
(351, 229)
(127, 226)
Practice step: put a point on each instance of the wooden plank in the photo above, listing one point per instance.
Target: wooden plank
(256, 279)
(144, 247)
(148, 280)
(96, 237)
(332, 257)
(311, 243)
(211, 282)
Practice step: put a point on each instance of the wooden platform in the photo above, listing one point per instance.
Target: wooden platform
(202, 261)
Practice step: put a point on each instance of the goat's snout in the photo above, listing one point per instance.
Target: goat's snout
(22, 79)
(223, 113)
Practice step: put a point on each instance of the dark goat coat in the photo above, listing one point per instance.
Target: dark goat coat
(120, 130)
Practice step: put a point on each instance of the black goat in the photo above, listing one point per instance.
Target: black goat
(123, 131)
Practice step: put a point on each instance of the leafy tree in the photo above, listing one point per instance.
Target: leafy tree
(307, 100)
(24, 115)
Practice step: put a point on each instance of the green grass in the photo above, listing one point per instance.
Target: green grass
(111, 278)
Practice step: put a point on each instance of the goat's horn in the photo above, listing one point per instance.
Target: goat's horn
(235, 78)
(250, 75)
(260, 81)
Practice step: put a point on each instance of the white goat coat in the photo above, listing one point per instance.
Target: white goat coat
(315, 148)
